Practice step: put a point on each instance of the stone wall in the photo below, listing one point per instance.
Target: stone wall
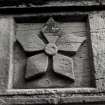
(52, 52)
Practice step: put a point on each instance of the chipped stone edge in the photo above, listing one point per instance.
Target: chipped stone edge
(53, 96)
(49, 3)
(55, 99)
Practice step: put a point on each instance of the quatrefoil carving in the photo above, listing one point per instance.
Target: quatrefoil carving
(57, 41)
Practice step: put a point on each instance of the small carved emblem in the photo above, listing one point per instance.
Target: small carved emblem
(58, 41)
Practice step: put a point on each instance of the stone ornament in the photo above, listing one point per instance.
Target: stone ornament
(57, 41)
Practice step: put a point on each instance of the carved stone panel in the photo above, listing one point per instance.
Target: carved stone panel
(51, 54)
(36, 58)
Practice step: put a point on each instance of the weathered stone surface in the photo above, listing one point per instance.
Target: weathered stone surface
(6, 39)
(63, 65)
(69, 42)
(36, 65)
(73, 100)
(30, 42)
(97, 29)
(51, 31)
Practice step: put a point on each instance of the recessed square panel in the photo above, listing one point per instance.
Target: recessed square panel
(52, 52)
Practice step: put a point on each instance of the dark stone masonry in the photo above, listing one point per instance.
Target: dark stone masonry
(52, 52)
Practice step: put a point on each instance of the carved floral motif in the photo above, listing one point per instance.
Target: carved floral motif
(57, 41)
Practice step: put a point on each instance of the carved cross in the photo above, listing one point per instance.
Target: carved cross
(57, 41)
